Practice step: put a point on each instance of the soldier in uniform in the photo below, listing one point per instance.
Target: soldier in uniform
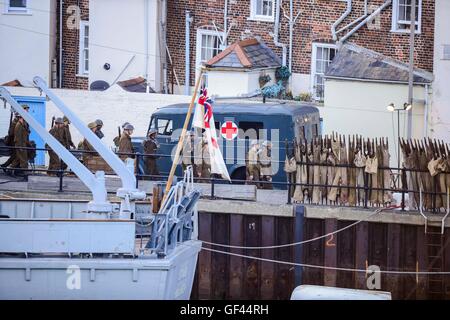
(253, 169)
(58, 132)
(68, 143)
(99, 132)
(117, 138)
(125, 145)
(86, 146)
(21, 140)
(151, 146)
(9, 141)
(265, 164)
(202, 159)
(188, 150)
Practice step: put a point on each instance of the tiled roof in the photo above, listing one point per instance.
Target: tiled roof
(355, 62)
(246, 54)
(138, 84)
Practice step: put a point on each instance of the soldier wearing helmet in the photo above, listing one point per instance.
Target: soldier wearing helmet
(86, 146)
(151, 147)
(21, 140)
(58, 132)
(99, 132)
(253, 168)
(117, 138)
(125, 145)
(9, 139)
(68, 143)
(265, 164)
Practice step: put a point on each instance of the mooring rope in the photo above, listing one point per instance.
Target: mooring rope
(300, 242)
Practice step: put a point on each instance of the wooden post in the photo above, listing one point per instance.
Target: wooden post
(183, 134)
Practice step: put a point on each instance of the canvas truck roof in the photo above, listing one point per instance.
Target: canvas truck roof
(245, 108)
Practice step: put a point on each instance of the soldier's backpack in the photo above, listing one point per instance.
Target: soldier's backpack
(31, 153)
(4, 152)
(116, 141)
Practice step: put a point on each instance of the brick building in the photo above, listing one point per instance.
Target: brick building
(313, 45)
(75, 34)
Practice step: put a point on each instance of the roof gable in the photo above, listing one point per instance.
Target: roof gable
(245, 54)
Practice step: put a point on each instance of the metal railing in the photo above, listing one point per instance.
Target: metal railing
(363, 193)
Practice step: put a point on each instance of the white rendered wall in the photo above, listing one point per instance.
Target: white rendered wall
(441, 85)
(355, 107)
(233, 84)
(300, 83)
(117, 34)
(27, 41)
(114, 107)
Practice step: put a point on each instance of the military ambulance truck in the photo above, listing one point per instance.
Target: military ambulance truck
(273, 122)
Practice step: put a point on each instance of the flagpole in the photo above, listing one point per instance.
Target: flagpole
(183, 134)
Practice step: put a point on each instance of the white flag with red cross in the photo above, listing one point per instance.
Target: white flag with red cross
(204, 118)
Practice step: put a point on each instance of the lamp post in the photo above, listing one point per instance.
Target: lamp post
(391, 107)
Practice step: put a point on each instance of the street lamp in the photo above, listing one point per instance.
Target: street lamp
(391, 107)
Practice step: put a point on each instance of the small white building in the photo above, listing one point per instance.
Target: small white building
(440, 114)
(124, 41)
(359, 86)
(27, 37)
(236, 71)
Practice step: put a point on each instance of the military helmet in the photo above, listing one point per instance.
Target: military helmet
(99, 122)
(25, 106)
(128, 127)
(65, 119)
(59, 120)
(152, 131)
(92, 125)
(125, 124)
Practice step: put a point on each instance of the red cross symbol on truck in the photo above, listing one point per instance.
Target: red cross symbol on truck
(229, 130)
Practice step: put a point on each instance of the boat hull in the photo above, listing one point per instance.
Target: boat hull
(64, 278)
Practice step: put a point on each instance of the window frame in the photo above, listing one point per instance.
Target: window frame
(198, 49)
(169, 124)
(259, 17)
(314, 48)
(17, 10)
(81, 49)
(395, 21)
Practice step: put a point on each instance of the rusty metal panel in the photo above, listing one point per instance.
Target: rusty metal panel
(252, 227)
(219, 267)
(408, 262)
(330, 255)
(447, 263)
(361, 253)
(236, 264)
(422, 287)
(378, 248)
(393, 259)
(268, 268)
(284, 233)
(204, 257)
(345, 255)
(313, 252)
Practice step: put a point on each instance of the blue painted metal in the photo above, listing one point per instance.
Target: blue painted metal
(298, 236)
(37, 110)
(274, 116)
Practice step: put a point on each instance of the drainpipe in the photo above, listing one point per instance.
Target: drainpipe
(163, 50)
(61, 3)
(374, 14)
(356, 21)
(275, 33)
(425, 118)
(291, 32)
(147, 90)
(187, 52)
(225, 23)
(341, 18)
